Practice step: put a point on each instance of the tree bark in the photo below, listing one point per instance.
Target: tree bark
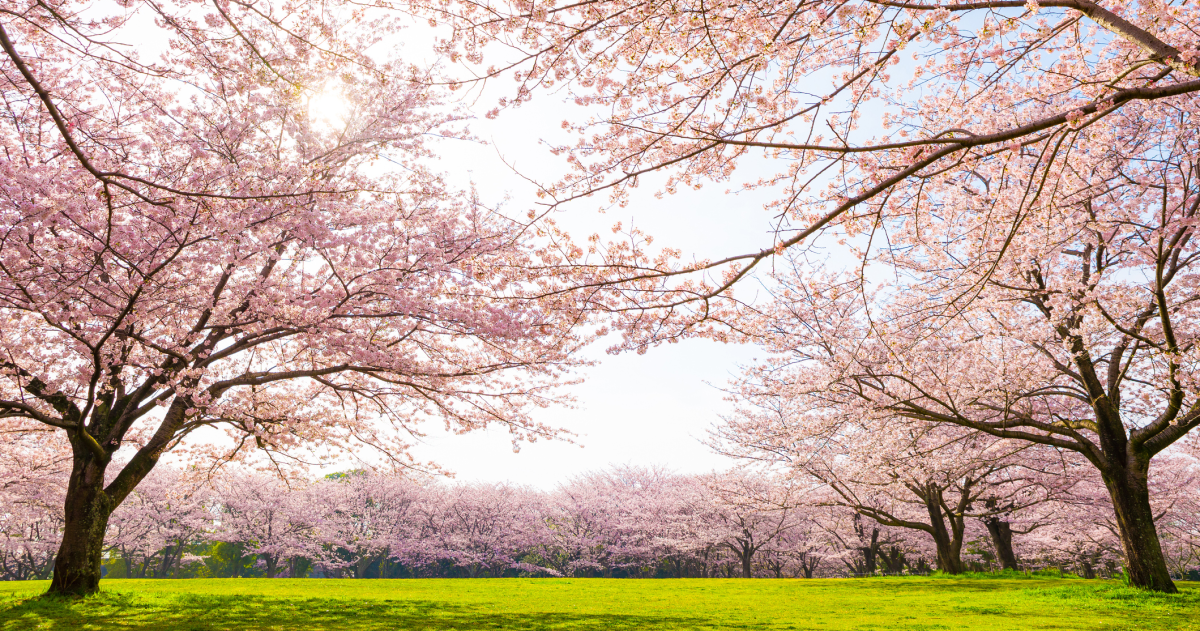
(948, 550)
(1145, 563)
(90, 503)
(744, 550)
(1001, 532)
(86, 512)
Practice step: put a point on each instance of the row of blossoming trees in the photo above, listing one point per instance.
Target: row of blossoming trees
(626, 522)
(193, 261)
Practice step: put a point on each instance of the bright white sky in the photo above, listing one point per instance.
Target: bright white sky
(646, 409)
(651, 409)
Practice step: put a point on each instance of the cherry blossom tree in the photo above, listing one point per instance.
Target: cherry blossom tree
(482, 529)
(1033, 156)
(752, 513)
(1085, 534)
(33, 466)
(865, 547)
(584, 518)
(849, 115)
(268, 518)
(367, 519)
(802, 551)
(152, 530)
(186, 247)
(1022, 170)
(1082, 342)
(932, 478)
(624, 518)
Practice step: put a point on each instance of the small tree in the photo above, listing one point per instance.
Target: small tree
(918, 476)
(750, 512)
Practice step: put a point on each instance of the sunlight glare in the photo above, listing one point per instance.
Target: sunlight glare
(328, 108)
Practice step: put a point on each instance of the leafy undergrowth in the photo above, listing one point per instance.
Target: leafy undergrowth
(908, 604)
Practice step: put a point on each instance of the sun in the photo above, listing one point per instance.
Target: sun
(328, 107)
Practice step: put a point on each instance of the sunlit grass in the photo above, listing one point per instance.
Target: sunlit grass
(598, 604)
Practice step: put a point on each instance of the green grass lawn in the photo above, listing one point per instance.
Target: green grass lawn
(599, 604)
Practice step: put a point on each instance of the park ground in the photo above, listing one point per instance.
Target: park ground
(979, 604)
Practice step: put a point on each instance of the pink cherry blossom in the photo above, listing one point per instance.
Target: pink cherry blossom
(193, 261)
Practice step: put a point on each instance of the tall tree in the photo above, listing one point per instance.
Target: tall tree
(186, 244)
(1081, 340)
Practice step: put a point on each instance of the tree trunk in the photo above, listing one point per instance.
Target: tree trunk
(86, 513)
(1145, 563)
(948, 554)
(870, 553)
(893, 559)
(172, 559)
(237, 561)
(1089, 571)
(747, 555)
(948, 562)
(809, 564)
(1001, 532)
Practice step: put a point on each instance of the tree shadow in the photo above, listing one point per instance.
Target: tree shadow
(188, 612)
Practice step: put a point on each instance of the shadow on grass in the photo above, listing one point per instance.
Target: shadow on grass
(862, 605)
(188, 612)
(1114, 594)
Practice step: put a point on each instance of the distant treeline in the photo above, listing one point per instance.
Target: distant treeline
(625, 522)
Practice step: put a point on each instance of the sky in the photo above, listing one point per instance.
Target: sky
(649, 409)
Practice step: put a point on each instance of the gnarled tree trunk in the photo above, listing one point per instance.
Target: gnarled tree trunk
(90, 503)
(86, 512)
(1001, 533)
(1144, 560)
(949, 546)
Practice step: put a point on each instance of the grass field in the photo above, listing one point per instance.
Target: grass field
(599, 604)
